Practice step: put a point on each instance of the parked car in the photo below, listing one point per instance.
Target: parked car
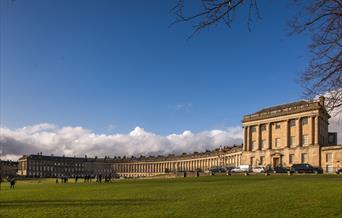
(217, 170)
(229, 169)
(241, 169)
(339, 171)
(245, 168)
(236, 170)
(305, 168)
(258, 170)
(280, 170)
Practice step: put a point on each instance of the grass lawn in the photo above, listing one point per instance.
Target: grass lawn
(218, 196)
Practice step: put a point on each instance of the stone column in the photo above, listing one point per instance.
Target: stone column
(287, 133)
(248, 138)
(269, 138)
(311, 122)
(316, 130)
(245, 138)
(299, 131)
(258, 133)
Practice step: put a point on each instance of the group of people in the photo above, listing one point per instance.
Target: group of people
(64, 179)
(107, 178)
(87, 178)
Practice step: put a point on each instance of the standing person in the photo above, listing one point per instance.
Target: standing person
(0, 182)
(56, 180)
(12, 182)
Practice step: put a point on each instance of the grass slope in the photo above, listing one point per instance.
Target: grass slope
(218, 196)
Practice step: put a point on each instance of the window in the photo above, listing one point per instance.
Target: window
(304, 121)
(263, 127)
(277, 126)
(305, 139)
(332, 138)
(304, 158)
(252, 161)
(292, 123)
(254, 145)
(263, 143)
(291, 158)
(328, 157)
(253, 129)
(292, 140)
(261, 160)
(277, 142)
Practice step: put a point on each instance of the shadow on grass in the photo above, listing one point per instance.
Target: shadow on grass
(47, 203)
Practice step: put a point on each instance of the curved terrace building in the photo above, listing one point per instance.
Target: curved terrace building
(152, 166)
(276, 136)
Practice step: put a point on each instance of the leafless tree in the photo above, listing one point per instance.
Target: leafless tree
(322, 19)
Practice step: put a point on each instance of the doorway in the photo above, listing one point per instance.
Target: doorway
(276, 162)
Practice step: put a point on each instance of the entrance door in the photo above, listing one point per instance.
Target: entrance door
(276, 162)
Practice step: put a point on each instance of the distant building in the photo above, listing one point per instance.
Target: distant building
(8, 168)
(53, 166)
(290, 134)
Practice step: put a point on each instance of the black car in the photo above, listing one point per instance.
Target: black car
(305, 168)
(339, 171)
(217, 170)
(280, 170)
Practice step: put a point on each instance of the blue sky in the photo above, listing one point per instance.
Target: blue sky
(110, 66)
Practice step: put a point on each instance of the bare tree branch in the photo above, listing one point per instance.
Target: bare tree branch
(214, 12)
(323, 20)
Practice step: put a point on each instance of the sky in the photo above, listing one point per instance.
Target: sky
(119, 73)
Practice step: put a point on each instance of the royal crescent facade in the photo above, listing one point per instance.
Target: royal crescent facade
(282, 135)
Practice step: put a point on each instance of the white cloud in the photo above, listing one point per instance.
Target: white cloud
(335, 125)
(183, 106)
(70, 141)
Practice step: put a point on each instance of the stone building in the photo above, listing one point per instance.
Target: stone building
(197, 162)
(53, 166)
(291, 133)
(277, 136)
(8, 168)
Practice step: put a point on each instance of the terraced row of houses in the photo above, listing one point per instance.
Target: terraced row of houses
(276, 136)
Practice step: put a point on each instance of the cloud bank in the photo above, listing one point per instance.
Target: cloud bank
(52, 139)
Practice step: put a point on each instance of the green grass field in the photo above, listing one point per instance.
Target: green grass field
(218, 196)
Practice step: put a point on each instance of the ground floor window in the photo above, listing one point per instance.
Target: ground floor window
(261, 160)
(328, 157)
(304, 158)
(252, 161)
(291, 158)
